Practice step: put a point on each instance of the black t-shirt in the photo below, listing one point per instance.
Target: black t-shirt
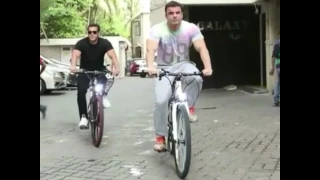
(92, 55)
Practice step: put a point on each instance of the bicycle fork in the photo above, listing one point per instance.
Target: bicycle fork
(180, 99)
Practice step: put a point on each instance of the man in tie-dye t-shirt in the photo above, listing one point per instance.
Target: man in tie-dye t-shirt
(171, 40)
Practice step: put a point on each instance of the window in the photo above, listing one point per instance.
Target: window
(137, 28)
(137, 52)
(66, 48)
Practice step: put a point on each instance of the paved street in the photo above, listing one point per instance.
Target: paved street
(237, 138)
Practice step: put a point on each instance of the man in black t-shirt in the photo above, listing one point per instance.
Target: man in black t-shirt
(91, 51)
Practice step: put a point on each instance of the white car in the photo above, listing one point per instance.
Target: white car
(143, 69)
(63, 67)
(51, 79)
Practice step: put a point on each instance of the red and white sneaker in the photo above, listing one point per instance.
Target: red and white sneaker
(192, 115)
(160, 144)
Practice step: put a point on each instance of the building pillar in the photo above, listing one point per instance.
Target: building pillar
(272, 34)
(145, 33)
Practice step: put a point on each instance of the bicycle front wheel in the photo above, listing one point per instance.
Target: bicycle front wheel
(182, 154)
(97, 122)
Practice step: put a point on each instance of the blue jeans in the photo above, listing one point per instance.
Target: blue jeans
(276, 95)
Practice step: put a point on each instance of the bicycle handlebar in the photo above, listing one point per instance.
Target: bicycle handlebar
(92, 72)
(167, 73)
(180, 74)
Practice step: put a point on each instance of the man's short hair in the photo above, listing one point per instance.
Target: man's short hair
(94, 25)
(173, 4)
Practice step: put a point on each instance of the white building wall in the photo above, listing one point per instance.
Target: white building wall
(157, 16)
(272, 34)
(140, 32)
(51, 51)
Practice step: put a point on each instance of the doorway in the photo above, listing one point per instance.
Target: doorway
(232, 35)
(138, 52)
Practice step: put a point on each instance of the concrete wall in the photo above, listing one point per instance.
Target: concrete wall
(272, 10)
(157, 16)
(51, 51)
(136, 31)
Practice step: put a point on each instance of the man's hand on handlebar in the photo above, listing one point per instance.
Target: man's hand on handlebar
(112, 68)
(73, 69)
(152, 71)
(207, 72)
(115, 71)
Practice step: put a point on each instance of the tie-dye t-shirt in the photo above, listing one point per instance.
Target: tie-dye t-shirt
(174, 47)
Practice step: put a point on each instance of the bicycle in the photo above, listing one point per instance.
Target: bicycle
(95, 106)
(178, 122)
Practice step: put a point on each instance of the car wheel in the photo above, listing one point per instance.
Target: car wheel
(143, 75)
(43, 88)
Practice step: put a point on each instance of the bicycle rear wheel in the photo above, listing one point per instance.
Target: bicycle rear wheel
(97, 122)
(182, 154)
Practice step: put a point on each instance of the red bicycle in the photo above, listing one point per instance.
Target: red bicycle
(95, 107)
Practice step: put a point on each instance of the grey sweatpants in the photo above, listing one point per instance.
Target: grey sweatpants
(191, 85)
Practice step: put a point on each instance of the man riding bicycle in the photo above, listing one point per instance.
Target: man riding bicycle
(171, 40)
(91, 51)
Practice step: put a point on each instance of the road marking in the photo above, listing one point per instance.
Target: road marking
(134, 171)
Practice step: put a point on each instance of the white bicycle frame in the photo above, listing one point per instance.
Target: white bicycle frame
(180, 99)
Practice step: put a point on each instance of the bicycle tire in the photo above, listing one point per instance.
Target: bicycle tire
(97, 125)
(181, 110)
(170, 135)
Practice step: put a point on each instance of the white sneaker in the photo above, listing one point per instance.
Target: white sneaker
(193, 118)
(106, 102)
(83, 122)
(192, 115)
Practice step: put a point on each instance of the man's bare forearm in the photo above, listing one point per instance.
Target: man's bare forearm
(114, 62)
(205, 57)
(150, 58)
(74, 60)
